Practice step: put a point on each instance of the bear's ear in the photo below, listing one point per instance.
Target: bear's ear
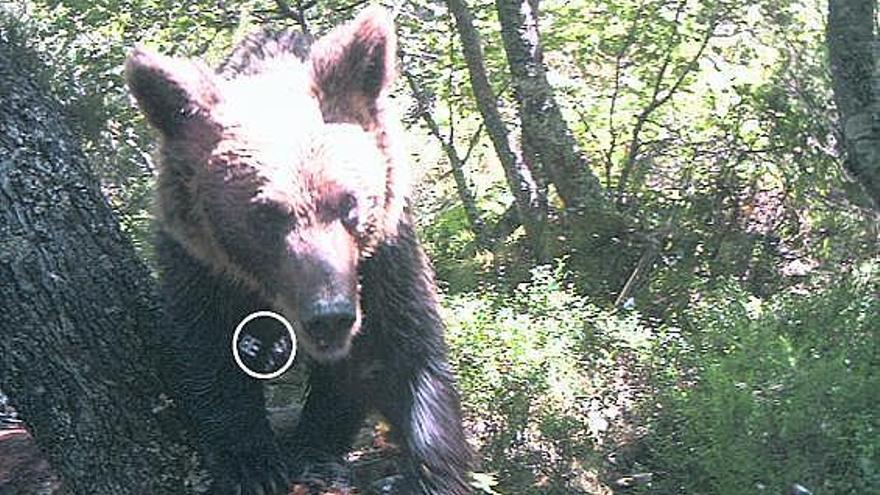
(353, 65)
(171, 92)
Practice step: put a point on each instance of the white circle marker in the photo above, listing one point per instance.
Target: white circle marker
(248, 319)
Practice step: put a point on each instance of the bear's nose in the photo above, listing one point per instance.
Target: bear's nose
(329, 322)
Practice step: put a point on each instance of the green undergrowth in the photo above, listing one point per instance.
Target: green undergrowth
(742, 395)
(756, 396)
(540, 369)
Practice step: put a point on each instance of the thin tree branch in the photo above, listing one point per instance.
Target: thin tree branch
(473, 142)
(529, 197)
(618, 67)
(298, 14)
(656, 102)
(455, 161)
(351, 6)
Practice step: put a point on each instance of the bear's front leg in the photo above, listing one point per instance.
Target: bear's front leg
(333, 413)
(225, 406)
(423, 409)
(413, 390)
(228, 411)
(410, 381)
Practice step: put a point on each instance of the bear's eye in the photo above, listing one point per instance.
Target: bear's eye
(269, 216)
(348, 211)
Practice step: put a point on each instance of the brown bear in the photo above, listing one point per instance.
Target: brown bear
(281, 187)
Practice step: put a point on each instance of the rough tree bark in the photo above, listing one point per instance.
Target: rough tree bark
(529, 197)
(544, 129)
(594, 230)
(854, 55)
(77, 308)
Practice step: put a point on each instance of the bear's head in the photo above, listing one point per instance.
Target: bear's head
(283, 173)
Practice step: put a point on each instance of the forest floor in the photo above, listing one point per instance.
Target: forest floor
(24, 469)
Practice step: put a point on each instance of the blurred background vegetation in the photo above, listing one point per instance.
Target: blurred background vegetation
(658, 255)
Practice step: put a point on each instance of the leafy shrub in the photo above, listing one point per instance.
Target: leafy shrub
(747, 395)
(537, 371)
(759, 395)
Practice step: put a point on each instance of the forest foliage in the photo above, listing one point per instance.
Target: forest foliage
(702, 319)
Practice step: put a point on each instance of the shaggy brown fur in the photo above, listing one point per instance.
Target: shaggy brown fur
(281, 187)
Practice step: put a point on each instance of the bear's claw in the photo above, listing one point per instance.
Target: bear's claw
(244, 474)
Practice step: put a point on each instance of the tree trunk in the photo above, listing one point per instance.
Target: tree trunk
(529, 197)
(854, 55)
(77, 308)
(599, 239)
(545, 131)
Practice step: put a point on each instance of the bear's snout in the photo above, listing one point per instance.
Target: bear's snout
(329, 323)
